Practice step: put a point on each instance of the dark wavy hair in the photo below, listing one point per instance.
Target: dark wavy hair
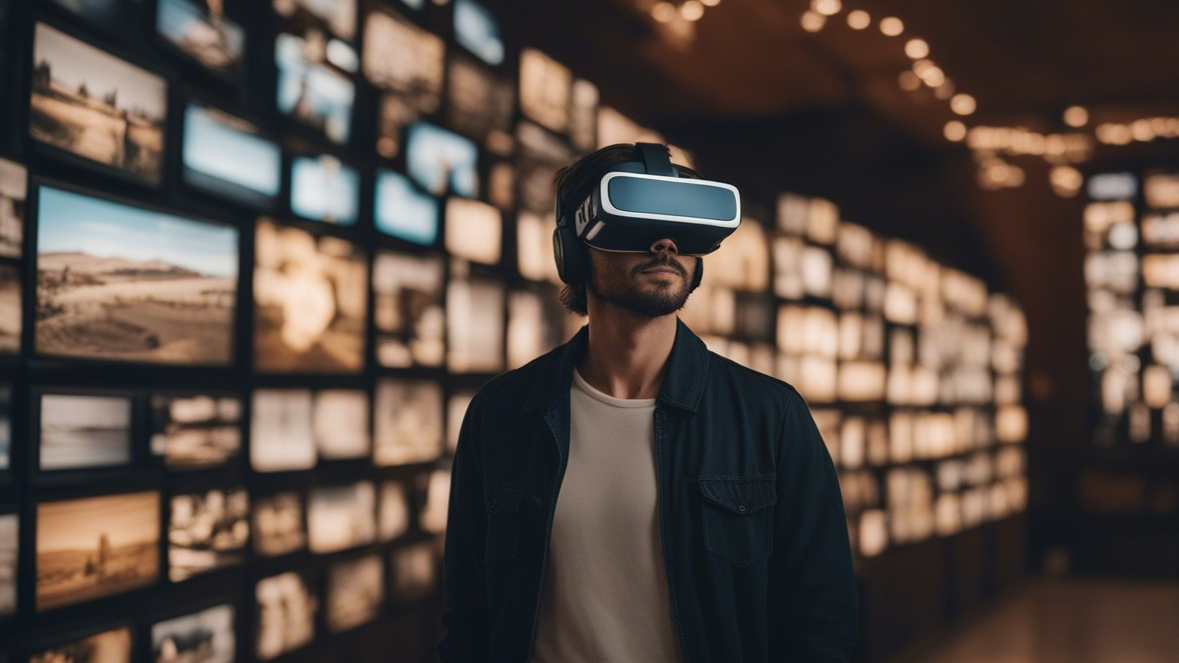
(577, 180)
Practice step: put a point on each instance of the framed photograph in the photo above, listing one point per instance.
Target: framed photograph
(9, 552)
(441, 161)
(311, 91)
(407, 309)
(403, 211)
(408, 421)
(113, 646)
(230, 158)
(534, 247)
(337, 16)
(78, 432)
(94, 547)
(341, 517)
(545, 90)
(311, 302)
(539, 156)
(501, 185)
(393, 116)
(456, 411)
(5, 424)
(583, 115)
(325, 189)
(14, 185)
(110, 15)
(339, 422)
(480, 104)
(89, 103)
(537, 323)
(433, 515)
(477, 30)
(355, 592)
(474, 230)
(287, 604)
(10, 309)
(195, 431)
(392, 511)
(415, 571)
(207, 532)
(403, 58)
(206, 636)
(475, 326)
(278, 524)
(123, 283)
(201, 30)
(281, 437)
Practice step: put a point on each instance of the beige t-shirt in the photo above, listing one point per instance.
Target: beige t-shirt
(605, 596)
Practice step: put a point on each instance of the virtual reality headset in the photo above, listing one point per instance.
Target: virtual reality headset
(636, 204)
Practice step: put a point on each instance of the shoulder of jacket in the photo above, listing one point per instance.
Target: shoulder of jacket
(780, 391)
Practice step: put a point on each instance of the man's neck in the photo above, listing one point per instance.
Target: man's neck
(627, 355)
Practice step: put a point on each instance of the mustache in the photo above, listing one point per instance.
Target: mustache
(669, 262)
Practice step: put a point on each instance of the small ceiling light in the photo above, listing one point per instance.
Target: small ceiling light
(917, 48)
(813, 21)
(891, 26)
(1076, 116)
(827, 7)
(664, 12)
(909, 81)
(858, 20)
(954, 131)
(962, 104)
(692, 10)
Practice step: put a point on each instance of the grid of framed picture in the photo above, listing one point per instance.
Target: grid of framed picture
(255, 260)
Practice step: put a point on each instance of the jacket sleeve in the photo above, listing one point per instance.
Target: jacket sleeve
(813, 606)
(464, 616)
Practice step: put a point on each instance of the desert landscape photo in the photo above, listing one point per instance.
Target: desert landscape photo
(10, 313)
(92, 104)
(127, 284)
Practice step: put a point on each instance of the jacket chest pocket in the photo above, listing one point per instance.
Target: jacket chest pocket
(503, 520)
(737, 518)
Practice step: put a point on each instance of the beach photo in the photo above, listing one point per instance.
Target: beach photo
(96, 546)
(84, 431)
(195, 431)
(92, 104)
(207, 531)
(200, 29)
(278, 524)
(228, 157)
(14, 180)
(112, 646)
(355, 592)
(10, 309)
(286, 614)
(207, 636)
(310, 302)
(124, 283)
(341, 517)
(281, 433)
(408, 422)
(9, 537)
(407, 309)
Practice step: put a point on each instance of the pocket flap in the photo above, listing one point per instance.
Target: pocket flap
(740, 496)
(502, 499)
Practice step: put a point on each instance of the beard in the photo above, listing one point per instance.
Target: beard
(645, 301)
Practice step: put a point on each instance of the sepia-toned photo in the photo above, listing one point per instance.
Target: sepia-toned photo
(9, 538)
(355, 592)
(392, 511)
(112, 646)
(475, 326)
(124, 283)
(341, 517)
(200, 29)
(311, 302)
(456, 409)
(338, 16)
(84, 431)
(415, 570)
(403, 211)
(441, 161)
(324, 189)
(538, 158)
(545, 89)
(10, 309)
(228, 157)
(286, 614)
(92, 104)
(5, 424)
(401, 57)
(310, 91)
(583, 115)
(339, 421)
(14, 180)
(207, 532)
(481, 104)
(408, 422)
(195, 431)
(281, 432)
(407, 309)
(474, 230)
(207, 636)
(433, 515)
(537, 323)
(96, 546)
(278, 524)
(393, 116)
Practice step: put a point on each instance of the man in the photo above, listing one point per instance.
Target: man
(630, 496)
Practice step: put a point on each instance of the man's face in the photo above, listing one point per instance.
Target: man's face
(648, 285)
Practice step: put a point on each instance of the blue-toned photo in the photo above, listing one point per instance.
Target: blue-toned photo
(225, 156)
(202, 31)
(442, 161)
(311, 92)
(477, 30)
(109, 14)
(403, 211)
(124, 283)
(325, 190)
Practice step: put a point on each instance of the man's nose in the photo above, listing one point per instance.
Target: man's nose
(665, 245)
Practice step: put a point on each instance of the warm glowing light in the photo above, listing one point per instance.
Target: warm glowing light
(1066, 181)
(891, 26)
(710, 3)
(813, 21)
(944, 91)
(917, 48)
(664, 12)
(962, 104)
(827, 7)
(1076, 116)
(1142, 130)
(954, 131)
(858, 20)
(909, 81)
(692, 10)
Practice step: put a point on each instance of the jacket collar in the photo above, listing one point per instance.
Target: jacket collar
(683, 383)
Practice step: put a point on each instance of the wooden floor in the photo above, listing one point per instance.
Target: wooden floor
(1066, 621)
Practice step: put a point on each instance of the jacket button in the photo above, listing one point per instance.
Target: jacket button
(741, 508)
(535, 501)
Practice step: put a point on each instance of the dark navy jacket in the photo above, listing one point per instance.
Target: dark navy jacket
(753, 533)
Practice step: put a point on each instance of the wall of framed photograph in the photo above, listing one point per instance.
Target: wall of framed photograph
(255, 260)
